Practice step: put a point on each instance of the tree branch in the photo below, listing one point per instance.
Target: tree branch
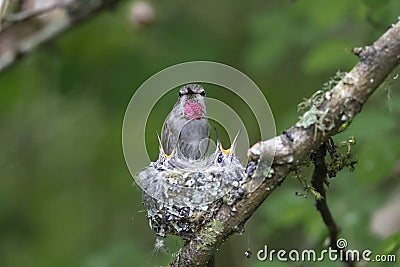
(23, 32)
(338, 106)
(11, 19)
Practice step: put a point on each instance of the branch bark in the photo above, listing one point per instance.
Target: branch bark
(339, 105)
(23, 32)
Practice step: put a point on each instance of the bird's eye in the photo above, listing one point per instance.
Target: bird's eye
(183, 91)
(220, 158)
(203, 93)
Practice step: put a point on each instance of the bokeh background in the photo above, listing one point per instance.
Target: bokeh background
(66, 196)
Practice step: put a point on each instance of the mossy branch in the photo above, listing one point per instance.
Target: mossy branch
(336, 108)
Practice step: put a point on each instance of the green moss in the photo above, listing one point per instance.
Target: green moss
(341, 156)
(309, 108)
(308, 103)
(218, 226)
(307, 189)
(319, 96)
(209, 235)
(333, 81)
(345, 125)
(316, 117)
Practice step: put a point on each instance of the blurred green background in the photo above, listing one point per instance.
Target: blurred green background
(66, 196)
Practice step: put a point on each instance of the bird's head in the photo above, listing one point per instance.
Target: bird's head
(192, 97)
(221, 156)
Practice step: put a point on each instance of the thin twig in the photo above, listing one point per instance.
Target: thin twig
(318, 181)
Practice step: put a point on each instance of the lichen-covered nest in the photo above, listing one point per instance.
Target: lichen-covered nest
(182, 195)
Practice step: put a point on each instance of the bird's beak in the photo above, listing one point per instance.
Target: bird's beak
(162, 149)
(170, 155)
(231, 150)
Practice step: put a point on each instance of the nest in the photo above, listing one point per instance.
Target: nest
(182, 195)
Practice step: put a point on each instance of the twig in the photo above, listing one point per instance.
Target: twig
(340, 104)
(318, 181)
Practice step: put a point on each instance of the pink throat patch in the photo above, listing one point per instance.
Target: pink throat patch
(192, 110)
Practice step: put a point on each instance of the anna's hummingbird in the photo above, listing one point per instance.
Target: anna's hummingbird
(186, 131)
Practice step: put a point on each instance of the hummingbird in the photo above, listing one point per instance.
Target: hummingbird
(186, 130)
(184, 188)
